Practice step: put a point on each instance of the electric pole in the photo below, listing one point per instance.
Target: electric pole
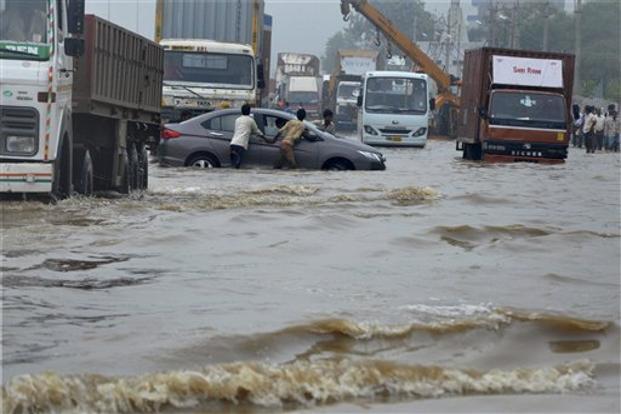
(578, 45)
(515, 34)
(546, 25)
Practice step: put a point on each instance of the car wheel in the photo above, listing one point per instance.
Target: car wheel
(203, 161)
(339, 165)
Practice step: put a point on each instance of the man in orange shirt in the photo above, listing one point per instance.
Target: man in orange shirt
(292, 132)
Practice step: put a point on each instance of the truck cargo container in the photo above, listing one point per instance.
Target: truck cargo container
(79, 103)
(219, 20)
(515, 105)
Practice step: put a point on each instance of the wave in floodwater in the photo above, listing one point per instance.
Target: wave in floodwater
(296, 384)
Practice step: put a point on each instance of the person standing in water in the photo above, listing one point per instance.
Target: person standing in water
(244, 127)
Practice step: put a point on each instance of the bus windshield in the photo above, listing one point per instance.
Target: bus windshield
(389, 95)
(23, 21)
(540, 110)
(215, 69)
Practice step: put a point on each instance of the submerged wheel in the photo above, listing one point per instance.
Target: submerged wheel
(61, 184)
(144, 167)
(85, 180)
(339, 165)
(203, 161)
(126, 181)
(134, 166)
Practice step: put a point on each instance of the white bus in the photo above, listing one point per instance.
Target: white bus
(394, 109)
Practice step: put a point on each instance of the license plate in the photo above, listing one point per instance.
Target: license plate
(393, 138)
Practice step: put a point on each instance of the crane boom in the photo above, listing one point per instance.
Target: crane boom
(407, 46)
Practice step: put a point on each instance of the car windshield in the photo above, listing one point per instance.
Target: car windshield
(396, 95)
(303, 97)
(348, 91)
(527, 109)
(223, 70)
(23, 21)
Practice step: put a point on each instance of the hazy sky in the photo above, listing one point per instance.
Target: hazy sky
(298, 25)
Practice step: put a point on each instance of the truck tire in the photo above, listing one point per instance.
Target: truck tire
(144, 168)
(84, 184)
(472, 152)
(134, 166)
(126, 181)
(62, 179)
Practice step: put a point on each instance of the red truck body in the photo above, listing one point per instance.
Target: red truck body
(515, 105)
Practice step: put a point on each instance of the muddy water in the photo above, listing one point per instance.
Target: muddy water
(254, 290)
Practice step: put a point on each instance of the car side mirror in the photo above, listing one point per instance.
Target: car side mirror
(75, 17)
(482, 113)
(313, 138)
(260, 76)
(432, 104)
(74, 47)
(359, 100)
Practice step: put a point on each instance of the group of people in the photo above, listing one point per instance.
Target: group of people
(596, 129)
(291, 132)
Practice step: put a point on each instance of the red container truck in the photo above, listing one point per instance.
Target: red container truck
(515, 105)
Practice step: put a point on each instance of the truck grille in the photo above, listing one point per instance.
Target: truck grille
(18, 121)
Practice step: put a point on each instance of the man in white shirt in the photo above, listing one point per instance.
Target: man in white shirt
(599, 129)
(244, 127)
(588, 129)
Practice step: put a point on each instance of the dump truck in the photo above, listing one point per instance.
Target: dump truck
(345, 84)
(298, 82)
(214, 54)
(515, 105)
(80, 101)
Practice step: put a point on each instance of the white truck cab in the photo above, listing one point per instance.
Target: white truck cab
(203, 75)
(394, 108)
(36, 71)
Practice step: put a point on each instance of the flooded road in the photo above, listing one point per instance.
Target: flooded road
(243, 291)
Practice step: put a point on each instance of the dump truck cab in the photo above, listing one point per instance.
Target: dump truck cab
(203, 75)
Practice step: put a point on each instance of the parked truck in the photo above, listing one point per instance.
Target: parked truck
(80, 100)
(345, 84)
(515, 105)
(298, 82)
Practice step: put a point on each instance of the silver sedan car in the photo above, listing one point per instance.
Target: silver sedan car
(204, 142)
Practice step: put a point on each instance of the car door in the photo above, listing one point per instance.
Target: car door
(260, 152)
(307, 150)
(219, 131)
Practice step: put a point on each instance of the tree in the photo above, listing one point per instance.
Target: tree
(601, 24)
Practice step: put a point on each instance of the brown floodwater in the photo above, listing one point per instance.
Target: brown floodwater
(436, 285)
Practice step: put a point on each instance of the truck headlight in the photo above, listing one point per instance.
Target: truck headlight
(419, 132)
(369, 130)
(15, 143)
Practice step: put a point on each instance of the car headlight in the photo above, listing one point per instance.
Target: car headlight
(20, 144)
(419, 132)
(373, 156)
(369, 130)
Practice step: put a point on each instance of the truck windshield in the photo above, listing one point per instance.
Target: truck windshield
(537, 110)
(25, 22)
(386, 95)
(215, 69)
(303, 97)
(348, 91)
